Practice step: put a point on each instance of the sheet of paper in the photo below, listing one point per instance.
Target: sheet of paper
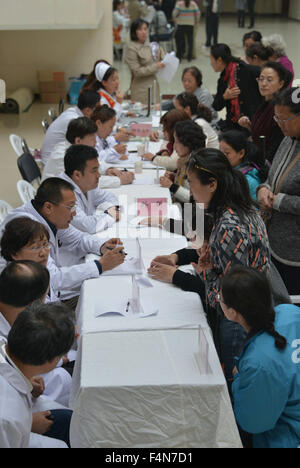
(172, 63)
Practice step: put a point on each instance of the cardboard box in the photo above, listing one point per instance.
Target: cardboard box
(52, 87)
(44, 75)
(53, 98)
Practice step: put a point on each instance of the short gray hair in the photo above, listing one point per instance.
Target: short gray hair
(276, 42)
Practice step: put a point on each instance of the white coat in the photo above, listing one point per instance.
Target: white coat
(55, 166)
(56, 133)
(57, 382)
(108, 154)
(87, 218)
(16, 409)
(70, 243)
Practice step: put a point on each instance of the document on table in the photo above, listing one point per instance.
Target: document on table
(171, 66)
(133, 307)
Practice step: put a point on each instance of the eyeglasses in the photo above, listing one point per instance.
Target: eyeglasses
(277, 120)
(38, 248)
(71, 208)
(261, 79)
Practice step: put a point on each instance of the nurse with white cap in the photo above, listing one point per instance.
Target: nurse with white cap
(109, 91)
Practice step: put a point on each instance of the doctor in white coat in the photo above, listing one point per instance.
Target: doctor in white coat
(21, 360)
(82, 171)
(83, 131)
(55, 206)
(56, 133)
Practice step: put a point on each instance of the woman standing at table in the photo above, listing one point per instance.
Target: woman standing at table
(237, 87)
(238, 237)
(279, 196)
(144, 60)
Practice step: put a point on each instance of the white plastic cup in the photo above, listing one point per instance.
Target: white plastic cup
(138, 167)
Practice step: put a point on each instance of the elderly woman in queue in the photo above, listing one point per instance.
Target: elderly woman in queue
(279, 196)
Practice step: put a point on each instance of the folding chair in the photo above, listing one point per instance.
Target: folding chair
(5, 208)
(26, 191)
(29, 169)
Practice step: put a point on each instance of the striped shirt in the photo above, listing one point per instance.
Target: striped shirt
(186, 16)
(235, 243)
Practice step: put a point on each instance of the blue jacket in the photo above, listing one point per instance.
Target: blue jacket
(253, 179)
(266, 389)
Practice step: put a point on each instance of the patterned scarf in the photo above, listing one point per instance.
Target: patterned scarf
(230, 78)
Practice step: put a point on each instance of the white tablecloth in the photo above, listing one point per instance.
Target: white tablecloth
(137, 382)
(146, 389)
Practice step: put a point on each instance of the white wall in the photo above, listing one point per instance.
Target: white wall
(294, 9)
(22, 53)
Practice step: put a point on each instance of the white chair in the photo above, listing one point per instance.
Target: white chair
(5, 208)
(16, 143)
(26, 191)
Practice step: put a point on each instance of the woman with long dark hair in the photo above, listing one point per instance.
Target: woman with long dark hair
(266, 383)
(237, 86)
(238, 237)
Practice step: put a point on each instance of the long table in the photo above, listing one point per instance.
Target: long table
(150, 381)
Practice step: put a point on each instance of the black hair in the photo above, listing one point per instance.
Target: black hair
(135, 26)
(232, 190)
(258, 49)
(51, 191)
(79, 128)
(289, 98)
(88, 98)
(238, 141)
(103, 113)
(23, 282)
(196, 73)
(20, 232)
(116, 3)
(204, 112)
(255, 35)
(41, 333)
(223, 51)
(190, 135)
(248, 291)
(283, 73)
(92, 84)
(76, 158)
(188, 100)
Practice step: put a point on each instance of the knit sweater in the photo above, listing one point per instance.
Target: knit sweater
(284, 225)
(233, 242)
(186, 16)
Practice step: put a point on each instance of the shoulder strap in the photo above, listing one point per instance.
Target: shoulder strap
(285, 174)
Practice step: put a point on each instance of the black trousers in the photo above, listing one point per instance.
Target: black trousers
(241, 18)
(184, 34)
(251, 8)
(212, 28)
(290, 276)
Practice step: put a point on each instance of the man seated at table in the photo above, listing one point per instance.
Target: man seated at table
(82, 171)
(56, 133)
(55, 206)
(27, 354)
(83, 131)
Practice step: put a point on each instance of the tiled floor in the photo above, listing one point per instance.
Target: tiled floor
(29, 126)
